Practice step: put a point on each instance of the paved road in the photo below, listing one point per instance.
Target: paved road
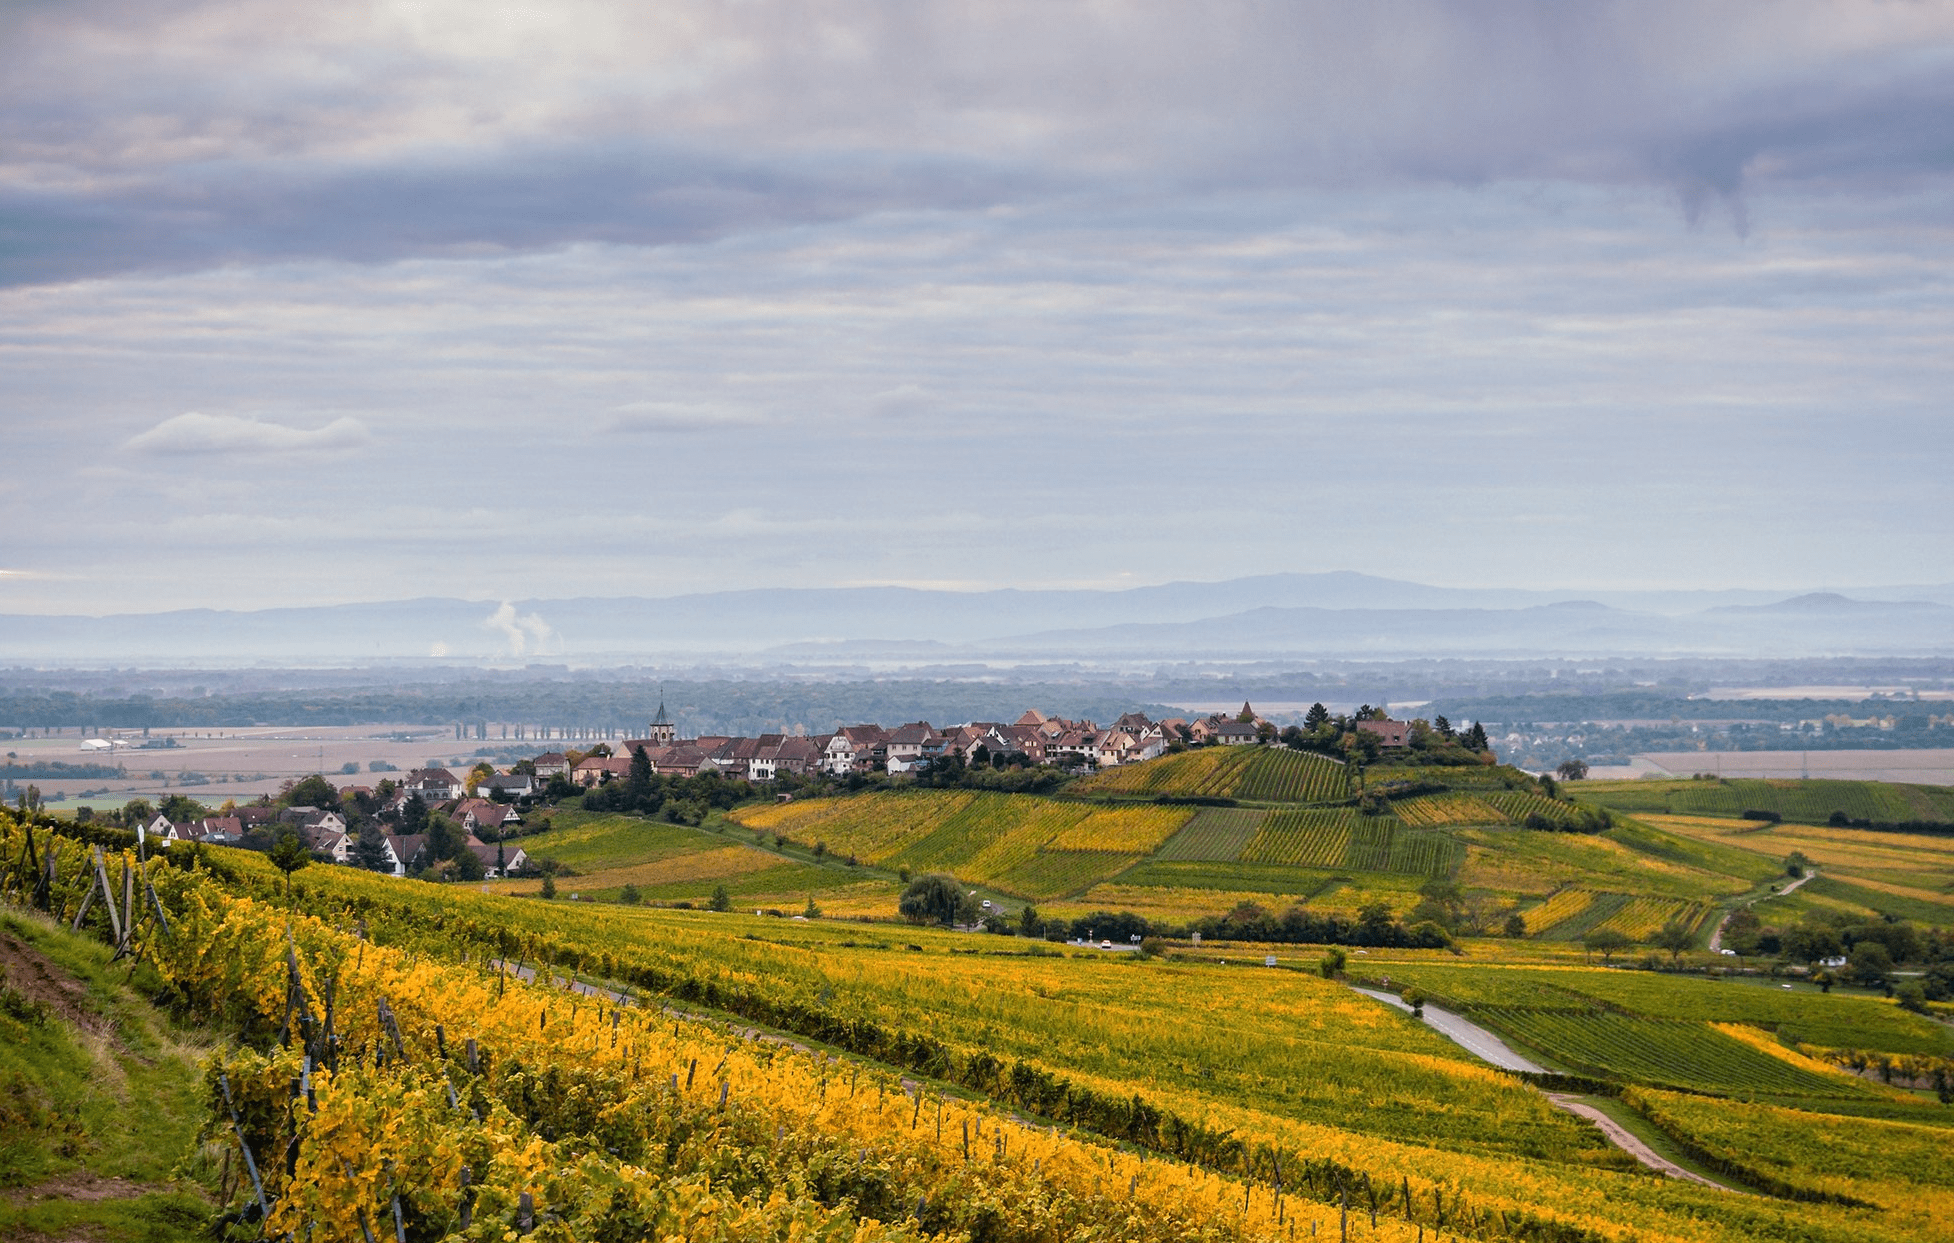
(1716, 938)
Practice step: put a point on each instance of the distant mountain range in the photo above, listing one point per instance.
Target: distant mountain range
(1284, 616)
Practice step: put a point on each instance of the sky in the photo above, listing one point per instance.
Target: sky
(302, 304)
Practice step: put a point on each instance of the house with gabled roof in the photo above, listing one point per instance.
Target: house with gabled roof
(434, 785)
(481, 815)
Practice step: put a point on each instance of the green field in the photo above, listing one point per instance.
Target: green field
(1805, 801)
(1673, 1053)
(1216, 835)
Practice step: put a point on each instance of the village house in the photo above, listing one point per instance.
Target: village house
(1391, 735)
(433, 785)
(480, 815)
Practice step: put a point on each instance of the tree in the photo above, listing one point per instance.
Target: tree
(313, 791)
(445, 839)
(630, 896)
(932, 898)
(1870, 964)
(810, 911)
(1516, 925)
(468, 866)
(641, 775)
(288, 854)
(1475, 739)
(1913, 996)
(722, 899)
(1796, 864)
(1673, 937)
(1318, 716)
(969, 910)
(137, 811)
(549, 885)
(1333, 963)
(370, 850)
(478, 774)
(1605, 941)
(1415, 998)
(1443, 728)
(180, 808)
(1028, 922)
(413, 815)
(1572, 770)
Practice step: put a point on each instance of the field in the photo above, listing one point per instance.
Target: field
(1904, 1170)
(1022, 845)
(1662, 1052)
(1431, 811)
(1215, 834)
(1172, 861)
(1081, 1095)
(1807, 802)
(1905, 875)
(1255, 774)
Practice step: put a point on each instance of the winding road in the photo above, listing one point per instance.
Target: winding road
(1488, 1047)
(1716, 938)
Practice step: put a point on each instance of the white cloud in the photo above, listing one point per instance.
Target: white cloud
(195, 433)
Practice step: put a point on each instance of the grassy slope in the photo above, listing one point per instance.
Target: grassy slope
(106, 1147)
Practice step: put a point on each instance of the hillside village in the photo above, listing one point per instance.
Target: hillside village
(398, 827)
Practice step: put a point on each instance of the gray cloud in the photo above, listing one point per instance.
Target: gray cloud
(214, 134)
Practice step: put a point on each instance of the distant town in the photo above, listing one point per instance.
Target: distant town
(434, 821)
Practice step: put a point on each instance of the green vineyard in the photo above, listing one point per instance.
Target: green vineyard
(1306, 838)
(1258, 774)
(1806, 802)
(1215, 835)
(1341, 837)
(1662, 1053)
(1278, 775)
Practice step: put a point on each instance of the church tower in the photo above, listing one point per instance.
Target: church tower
(661, 731)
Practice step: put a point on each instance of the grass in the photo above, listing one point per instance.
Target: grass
(99, 1086)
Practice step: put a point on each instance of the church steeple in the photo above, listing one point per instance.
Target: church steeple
(661, 730)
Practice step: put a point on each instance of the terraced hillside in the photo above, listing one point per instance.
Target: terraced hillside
(1255, 774)
(1018, 844)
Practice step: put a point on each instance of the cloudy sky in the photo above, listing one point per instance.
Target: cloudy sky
(307, 303)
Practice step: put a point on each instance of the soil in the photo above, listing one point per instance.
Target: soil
(30, 973)
(82, 1185)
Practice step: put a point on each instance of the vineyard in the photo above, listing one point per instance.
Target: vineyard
(1205, 771)
(1343, 838)
(1258, 774)
(1215, 835)
(446, 1098)
(1515, 806)
(1806, 801)
(1831, 1020)
(1904, 1169)
(1304, 838)
(1032, 847)
(1431, 811)
(1279, 775)
(1663, 1052)
(1560, 907)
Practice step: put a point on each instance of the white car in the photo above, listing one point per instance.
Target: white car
(1105, 945)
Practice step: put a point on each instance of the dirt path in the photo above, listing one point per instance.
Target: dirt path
(1488, 1047)
(1622, 1139)
(1716, 938)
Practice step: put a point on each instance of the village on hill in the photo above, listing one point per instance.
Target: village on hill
(459, 826)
